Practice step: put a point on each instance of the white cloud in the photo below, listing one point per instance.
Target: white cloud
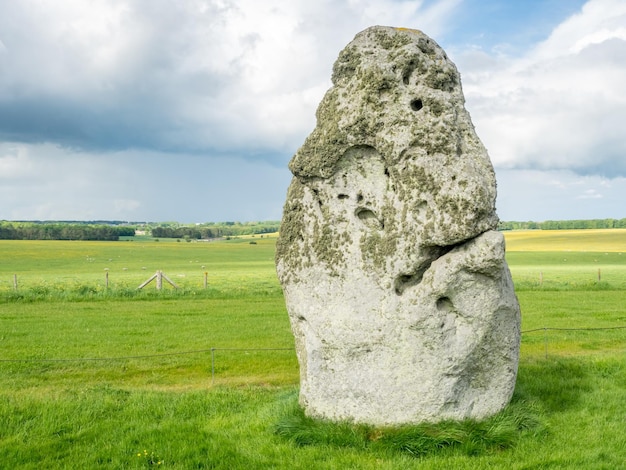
(563, 104)
(590, 194)
(599, 21)
(558, 195)
(14, 162)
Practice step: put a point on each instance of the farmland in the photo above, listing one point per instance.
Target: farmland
(99, 376)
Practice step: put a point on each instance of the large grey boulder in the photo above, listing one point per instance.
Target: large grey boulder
(397, 289)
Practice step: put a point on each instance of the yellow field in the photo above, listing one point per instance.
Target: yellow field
(600, 240)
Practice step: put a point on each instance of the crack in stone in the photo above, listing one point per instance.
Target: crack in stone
(406, 280)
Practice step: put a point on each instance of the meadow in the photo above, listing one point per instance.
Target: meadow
(114, 377)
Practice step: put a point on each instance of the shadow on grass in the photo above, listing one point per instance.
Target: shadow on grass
(555, 384)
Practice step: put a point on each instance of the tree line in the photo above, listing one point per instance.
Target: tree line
(563, 224)
(63, 231)
(214, 230)
(113, 230)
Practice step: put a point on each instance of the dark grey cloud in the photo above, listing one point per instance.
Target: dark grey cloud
(139, 83)
(203, 76)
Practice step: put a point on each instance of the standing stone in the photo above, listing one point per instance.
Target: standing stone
(397, 289)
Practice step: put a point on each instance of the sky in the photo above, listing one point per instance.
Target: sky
(189, 111)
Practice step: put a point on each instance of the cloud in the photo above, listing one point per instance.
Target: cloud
(54, 183)
(590, 194)
(14, 163)
(562, 104)
(237, 76)
(558, 195)
(190, 110)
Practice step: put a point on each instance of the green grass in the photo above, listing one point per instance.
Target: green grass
(98, 330)
(566, 414)
(123, 397)
(69, 268)
(567, 259)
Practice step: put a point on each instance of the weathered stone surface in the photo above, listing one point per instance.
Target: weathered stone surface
(399, 296)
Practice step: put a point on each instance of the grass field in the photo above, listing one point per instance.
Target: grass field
(204, 378)
(235, 267)
(565, 259)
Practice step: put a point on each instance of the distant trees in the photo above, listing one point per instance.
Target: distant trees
(214, 230)
(113, 230)
(563, 224)
(104, 230)
(62, 231)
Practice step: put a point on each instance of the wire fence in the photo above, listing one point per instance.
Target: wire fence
(546, 329)
(212, 351)
(144, 356)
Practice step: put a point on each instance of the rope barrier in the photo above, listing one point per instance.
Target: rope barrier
(575, 329)
(122, 358)
(212, 350)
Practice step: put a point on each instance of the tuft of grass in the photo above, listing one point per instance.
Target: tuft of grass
(467, 437)
(303, 430)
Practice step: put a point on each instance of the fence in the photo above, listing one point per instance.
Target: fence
(214, 350)
(546, 329)
(159, 276)
(146, 356)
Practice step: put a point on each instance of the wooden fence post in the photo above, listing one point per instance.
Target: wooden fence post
(145, 283)
(172, 283)
(159, 276)
(15, 281)
(205, 279)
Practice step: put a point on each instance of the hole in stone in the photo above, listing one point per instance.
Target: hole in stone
(368, 217)
(408, 71)
(359, 197)
(364, 214)
(404, 281)
(417, 104)
(343, 196)
(386, 171)
(444, 304)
